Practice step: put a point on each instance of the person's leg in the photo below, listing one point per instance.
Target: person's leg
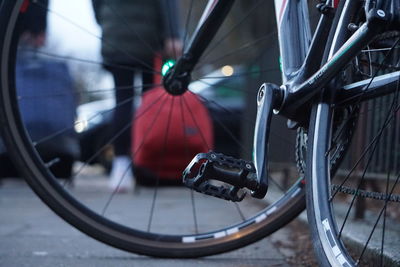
(124, 94)
(146, 83)
(147, 80)
(121, 178)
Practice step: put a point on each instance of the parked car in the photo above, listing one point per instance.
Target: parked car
(93, 126)
(48, 108)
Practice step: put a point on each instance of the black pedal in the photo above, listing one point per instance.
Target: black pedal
(234, 173)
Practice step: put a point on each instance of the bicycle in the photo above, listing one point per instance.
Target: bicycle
(325, 118)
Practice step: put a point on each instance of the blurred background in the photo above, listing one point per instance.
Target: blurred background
(242, 56)
(68, 108)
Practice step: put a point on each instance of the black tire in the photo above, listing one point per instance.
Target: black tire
(350, 219)
(73, 205)
(322, 246)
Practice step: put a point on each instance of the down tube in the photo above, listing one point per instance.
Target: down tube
(294, 35)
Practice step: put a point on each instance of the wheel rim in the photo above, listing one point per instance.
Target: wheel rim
(84, 212)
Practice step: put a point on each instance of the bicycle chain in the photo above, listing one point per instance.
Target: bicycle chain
(301, 165)
(366, 194)
(388, 35)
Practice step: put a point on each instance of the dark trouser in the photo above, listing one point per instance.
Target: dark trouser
(124, 96)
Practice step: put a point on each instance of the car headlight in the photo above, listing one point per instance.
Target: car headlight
(81, 126)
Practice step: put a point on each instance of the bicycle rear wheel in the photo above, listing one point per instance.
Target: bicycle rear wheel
(152, 220)
(353, 212)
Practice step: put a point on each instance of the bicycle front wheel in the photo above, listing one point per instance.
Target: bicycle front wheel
(166, 221)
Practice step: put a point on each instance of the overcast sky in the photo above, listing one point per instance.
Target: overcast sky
(67, 37)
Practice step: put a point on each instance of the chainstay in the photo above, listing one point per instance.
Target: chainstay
(366, 194)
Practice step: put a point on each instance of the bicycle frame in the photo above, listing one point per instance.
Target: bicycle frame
(303, 82)
(302, 73)
(293, 28)
(307, 68)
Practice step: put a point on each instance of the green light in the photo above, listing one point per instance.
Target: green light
(167, 66)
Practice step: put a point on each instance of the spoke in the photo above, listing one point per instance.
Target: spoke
(148, 130)
(161, 164)
(233, 113)
(113, 46)
(224, 86)
(197, 125)
(376, 140)
(378, 49)
(55, 134)
(358, 188)
(52, 162)
(387, 56)
(365, 111)
(103, 147)
(239, 211)
(247, 15)
(379, 217)
(219, 106)
(88, 92)
(114, 192)
(366, 150)
(241, 74)
(229, 132)
(186, 29)
(82, 60)
(283, 190)
(391, 67)
(185, 135)
(384, 219)
(129, 27)
(370, 60)
(196, 227)
(239, 49)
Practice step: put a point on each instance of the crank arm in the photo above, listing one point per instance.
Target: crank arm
(269, 95)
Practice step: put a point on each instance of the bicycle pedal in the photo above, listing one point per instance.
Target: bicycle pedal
(235, 174)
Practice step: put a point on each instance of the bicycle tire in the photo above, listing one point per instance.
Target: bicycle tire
(344, 234)
(66, 201)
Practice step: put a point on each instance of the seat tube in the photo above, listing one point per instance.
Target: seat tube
(294, 35)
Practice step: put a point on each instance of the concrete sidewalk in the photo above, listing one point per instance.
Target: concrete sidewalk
(32, 235)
